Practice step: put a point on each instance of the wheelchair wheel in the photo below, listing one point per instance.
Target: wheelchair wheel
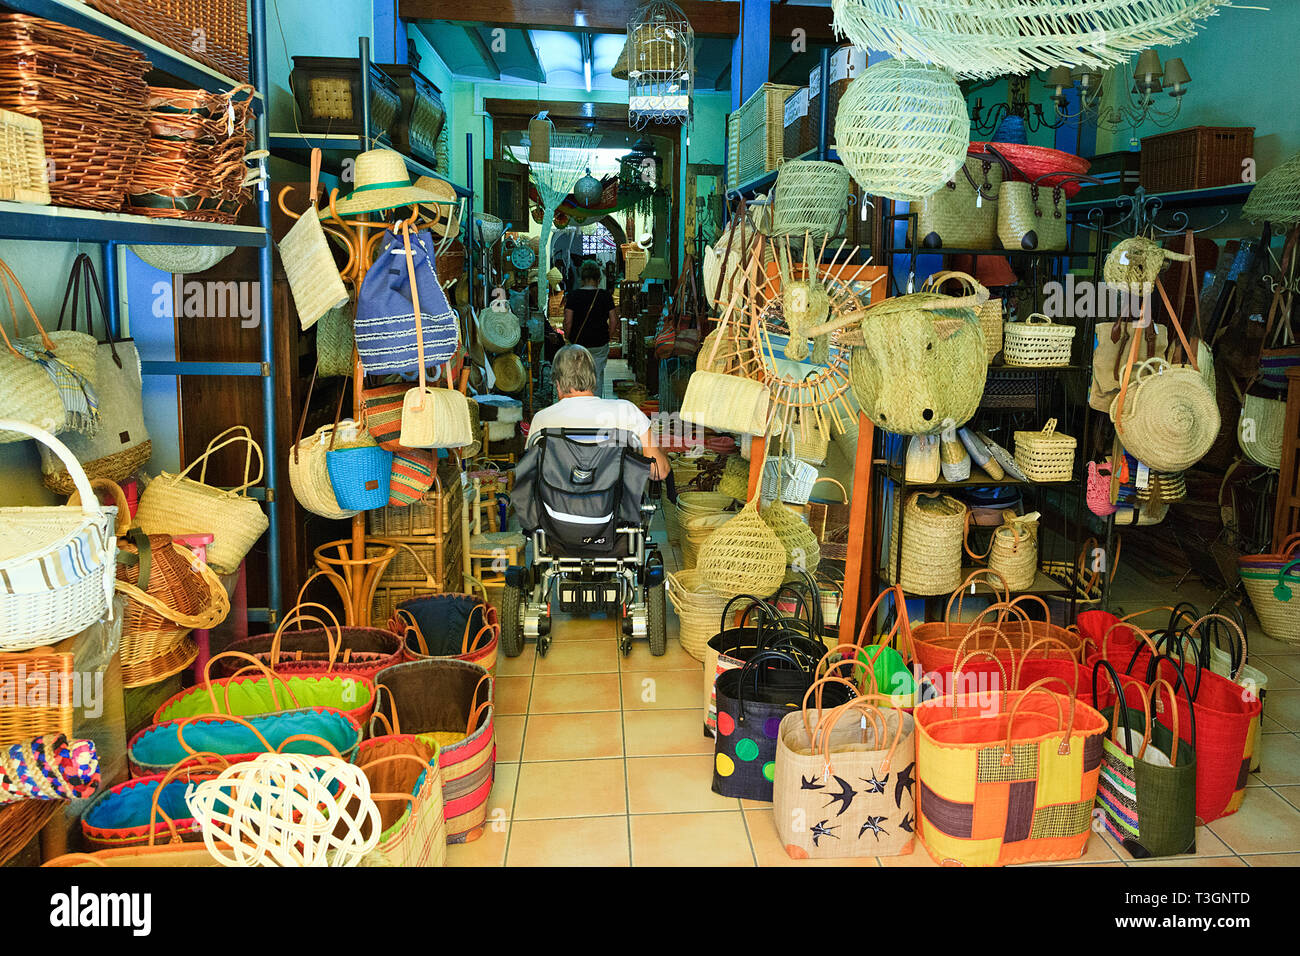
(512, 624)
(656, 624)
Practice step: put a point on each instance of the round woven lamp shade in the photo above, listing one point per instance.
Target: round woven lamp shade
(1276, 197)
(993, 37)
(902, 129)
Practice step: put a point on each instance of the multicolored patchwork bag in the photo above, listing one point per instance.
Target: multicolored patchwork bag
(1147, 786)
(1007, 777)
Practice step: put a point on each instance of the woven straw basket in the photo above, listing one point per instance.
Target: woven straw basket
(934, 526)
(1169, 419)
(802, 550)
(309, 477)
(308, 263)
(1037, 342)
(744, 556)
(1275, 596)
(509, 372)
(1013, 552)
(963, 212)
(1276, 197)
(811, 198)
(1261, 430)
(699, 608)
(726, 403)
(498, 330)
(1046, 455)
(696, 530)
(1135, 264)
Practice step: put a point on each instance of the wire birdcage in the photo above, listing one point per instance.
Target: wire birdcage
(995, 37)
(661, 65)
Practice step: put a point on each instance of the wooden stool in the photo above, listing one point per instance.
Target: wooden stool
(490, 553)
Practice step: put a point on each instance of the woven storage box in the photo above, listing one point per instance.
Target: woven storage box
(1045, 455)
(933, 529)
(434, 515)
(421, 114)
(1195, 158)
(404, 579)
(179, 24)
(1037, 342)
(699, 609)
(798, 123)
(23, 173)
(847, 64)
(89, 96)
(810, 197)
(733, 150)
(761, 130)
(328, 93)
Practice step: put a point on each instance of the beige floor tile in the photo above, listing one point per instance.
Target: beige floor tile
(673, 785)
(1279, 760)
(585, 841)
(487, 850)
(1278, 679)
(1290, 794)
(1253, 780)
(1265, 824)
(574, 736)
(512, 695)
(1273, 859)
(571, 788)
(674, 659)
(665, 690)
(665, 733)
(521, 666)
(1214, 862)
(1271, 726)
(501, 802)
(584, 628)
(769, 851)
(578, 656)
(691, 839)
(510, 737)
(1284, 707)
(1289, 664)
(574, 693)
(1263, 646)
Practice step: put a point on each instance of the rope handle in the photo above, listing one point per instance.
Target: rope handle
(1064, 747)
(217, 444)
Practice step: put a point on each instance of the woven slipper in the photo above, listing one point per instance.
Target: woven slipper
(980, 454)
(1003, 458)
(954, 458)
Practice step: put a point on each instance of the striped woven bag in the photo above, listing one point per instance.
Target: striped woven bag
(381, 410)
(412, 476)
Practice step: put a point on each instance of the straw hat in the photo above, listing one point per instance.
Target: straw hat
(182, 260)
(382, 182)
(445, 209)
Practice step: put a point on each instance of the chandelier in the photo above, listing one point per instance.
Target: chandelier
(1138, 98)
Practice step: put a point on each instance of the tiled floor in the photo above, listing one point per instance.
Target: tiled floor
(601, 761)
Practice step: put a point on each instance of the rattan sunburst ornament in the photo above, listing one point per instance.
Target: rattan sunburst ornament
(660, 65)
(987, 38)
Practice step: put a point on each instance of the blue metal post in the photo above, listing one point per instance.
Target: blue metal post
(823, 107)
(363, 48)
(111, 310)
(260, 79)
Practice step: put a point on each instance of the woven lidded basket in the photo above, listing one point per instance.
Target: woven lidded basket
(1037, 342)
(933, 530)
(1014, 550)
(1045, 455)
(744, 556)
(810, 197)
(1169, 419)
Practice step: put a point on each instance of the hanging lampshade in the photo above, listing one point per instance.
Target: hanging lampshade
(640, 165)
(587, 189)
(902, 129)
(660, 55)
(619, 72)
(995, 37)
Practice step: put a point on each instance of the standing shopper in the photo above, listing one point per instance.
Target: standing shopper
(591, 319)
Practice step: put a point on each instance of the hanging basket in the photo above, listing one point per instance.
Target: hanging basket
(902, 129)
(810, 197)
(498, 330)
(509, 372)
(1276, 197)
(1169, 419)
(1135, 264)
(803, 553)
(744, 556)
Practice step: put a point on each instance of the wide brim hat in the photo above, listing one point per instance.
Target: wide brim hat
(182, 260)
(444, 220)
(382, 182)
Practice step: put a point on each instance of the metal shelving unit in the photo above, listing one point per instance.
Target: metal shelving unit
(111, 230)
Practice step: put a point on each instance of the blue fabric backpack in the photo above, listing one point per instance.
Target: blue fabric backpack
(386, 322)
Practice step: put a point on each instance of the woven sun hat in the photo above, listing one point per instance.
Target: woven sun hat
(182, 260)
(445, 206)
(382, 182)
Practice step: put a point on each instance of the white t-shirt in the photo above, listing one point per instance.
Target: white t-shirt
(588, 411)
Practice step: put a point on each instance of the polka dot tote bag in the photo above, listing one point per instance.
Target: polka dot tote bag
(752, 700)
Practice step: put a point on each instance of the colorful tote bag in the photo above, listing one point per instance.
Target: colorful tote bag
(845, 781)
(1007, 777)
(1147, 785)
(406, 782)
(386, 324)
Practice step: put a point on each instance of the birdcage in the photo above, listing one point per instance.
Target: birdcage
(661, 65)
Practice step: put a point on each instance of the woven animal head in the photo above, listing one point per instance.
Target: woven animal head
(920, 364)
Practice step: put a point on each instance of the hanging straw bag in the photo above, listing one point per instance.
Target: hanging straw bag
(1261, 430)
(498, 329)
(56, 563)
(30, 395)
(308, 263)
(1147, 784)
(447, 703)
(867, 762)
(335, 341)
(1008, 777)
(743, 556)
(1166, 417)
(308, 469)
(963, 213)
(1037, 342)
(933, 528)
(1045, 455)
(121, 445)
(726, 403)
(177, 505)
(406, 781)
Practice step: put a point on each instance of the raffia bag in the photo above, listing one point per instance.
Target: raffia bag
(498, 330)
(1168, 420)
(699, 608)
(744, 556)
(963, 213)
(921, 365)
(1261, 430)
(1045, 455)
(726, 403)
(1031, 217)
(1013, 551)
(934, 526)
(177, 504)
(989, 312)
(308, 263)
(803, 553)
(735, 478)
(1037, 342)
(696, 530)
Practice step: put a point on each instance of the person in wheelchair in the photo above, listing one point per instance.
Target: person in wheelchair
(581, 496)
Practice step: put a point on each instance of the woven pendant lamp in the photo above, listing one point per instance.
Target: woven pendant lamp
(902, 129)
(1276, 197)
(803, 553)
(993, 37)
(619, 72)
(743, 556)
(587, 189)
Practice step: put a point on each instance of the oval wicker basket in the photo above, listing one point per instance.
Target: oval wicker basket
(1037, 342)
(699, 608)
(810, 197)
(498, 331)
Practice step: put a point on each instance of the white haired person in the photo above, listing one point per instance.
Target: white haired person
(574, 372)
(591, 319)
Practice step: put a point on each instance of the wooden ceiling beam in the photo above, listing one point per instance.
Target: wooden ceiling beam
(709, 18)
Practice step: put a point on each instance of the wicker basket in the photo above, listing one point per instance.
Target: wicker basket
(23, 174)
(1275, 596)
(743, 556)
(183, 594)
(810, 198)
(1046, 455)
(798, 123)
(634, 260)
(432, 517)
(179, 24)
(328, 94)
(760, 130)
(52, 711)
(498, 331)
(696, 530)
(933, 529)
(89, 95)
(1037, 342)
(509, 372)
(989, 312)
(421, 114)
(1013, 552)
(699, 609)
(1195, 158)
